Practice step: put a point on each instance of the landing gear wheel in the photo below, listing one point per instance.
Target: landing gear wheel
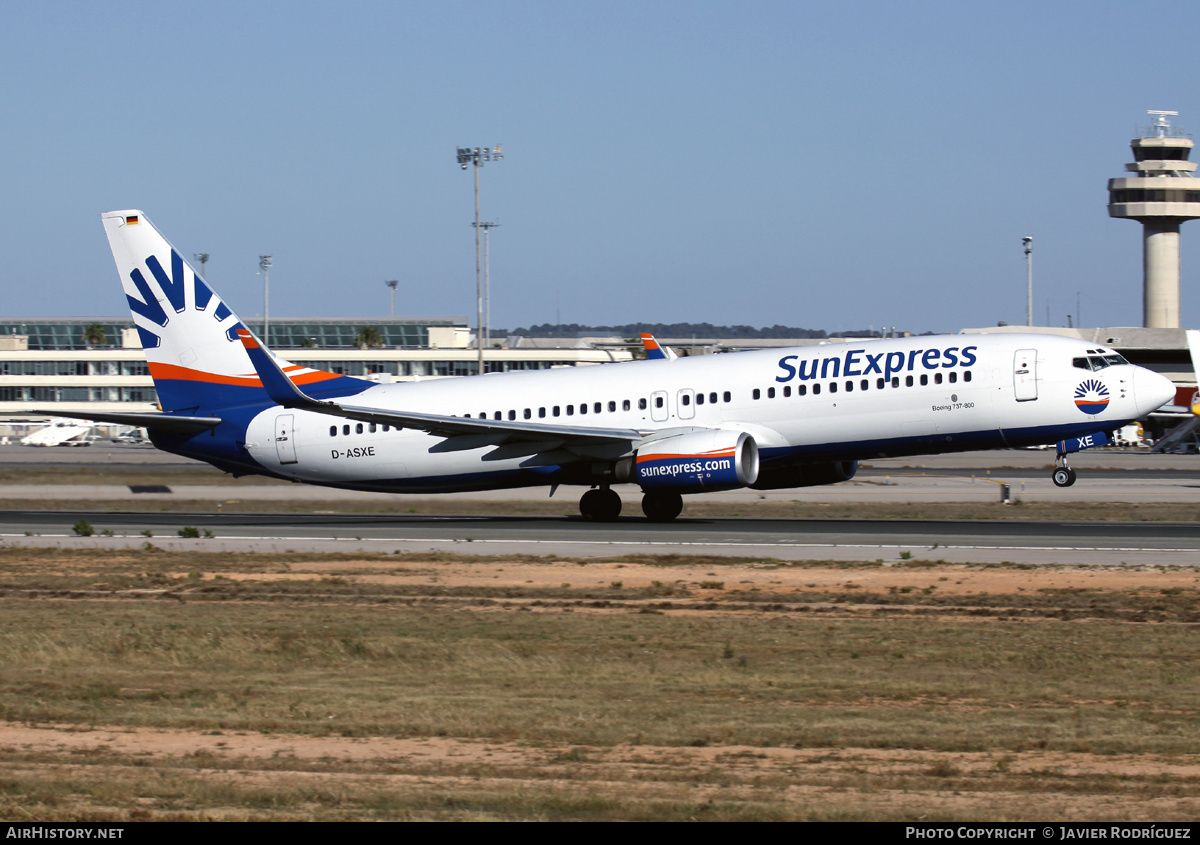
(601, 505)
(661, 507)
(1063, 477)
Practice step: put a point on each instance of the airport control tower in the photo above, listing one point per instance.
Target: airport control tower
(1162, 195)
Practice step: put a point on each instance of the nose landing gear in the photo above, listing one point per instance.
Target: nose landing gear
(1063, 475)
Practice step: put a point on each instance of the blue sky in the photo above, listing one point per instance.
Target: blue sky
(813, 164)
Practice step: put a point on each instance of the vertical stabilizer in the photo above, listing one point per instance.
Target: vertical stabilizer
(189, 334)
(656, 352)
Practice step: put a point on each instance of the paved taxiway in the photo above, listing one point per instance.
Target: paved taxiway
(1105, 476)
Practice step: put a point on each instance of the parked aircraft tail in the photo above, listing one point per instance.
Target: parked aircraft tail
(656, 352)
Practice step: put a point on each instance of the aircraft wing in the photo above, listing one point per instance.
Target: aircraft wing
(463, 432)
(163, 422)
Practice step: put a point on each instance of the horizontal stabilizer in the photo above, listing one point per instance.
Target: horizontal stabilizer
(161, 422)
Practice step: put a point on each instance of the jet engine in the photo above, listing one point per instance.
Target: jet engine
(804, 475)
(699, 462)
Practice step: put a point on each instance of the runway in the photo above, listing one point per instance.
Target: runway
(789, 540)
(1106, 476)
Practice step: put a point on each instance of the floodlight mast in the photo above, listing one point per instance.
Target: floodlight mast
(477, 156)
(392, 283)
(487, 280)
(1028, 241)
(264, 265)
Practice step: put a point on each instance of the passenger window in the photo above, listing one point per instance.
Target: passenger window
(371, 428)
(937, 378)
(388, 428)
(583, 407)
(541, 413)
(816, 390)
(358, 428)
(641, 404)
(596, 408)
(345, 429)
(895, 381)
(570, 410)
(658, 401)
(728, 396)
(498, 415)
(953, 378)
(770, 393)
(849, 386)
(512, 415)
(787, 391)
(555, 411)
(908, 381)
(712, 398)
(333, 431)
(924, 379)
(879, 384)
(528, 414)
(864, 384)
(699, 398)
(801, 389)
(833, 387)
(967, 375)
(612, 407)
(685, 400)
(756, 394)
(625, 405)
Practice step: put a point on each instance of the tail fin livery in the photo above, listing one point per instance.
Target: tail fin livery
(190, 336)
(654, 351)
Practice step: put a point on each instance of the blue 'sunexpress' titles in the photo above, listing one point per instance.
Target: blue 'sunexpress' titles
(860, 362)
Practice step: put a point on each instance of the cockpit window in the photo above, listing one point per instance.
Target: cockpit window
(1098, 361)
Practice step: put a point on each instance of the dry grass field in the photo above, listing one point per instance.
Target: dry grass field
(154, 685)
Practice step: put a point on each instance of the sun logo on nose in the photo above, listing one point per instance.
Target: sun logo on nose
(1091, 396)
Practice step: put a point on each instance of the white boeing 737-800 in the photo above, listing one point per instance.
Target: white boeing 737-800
(766, 419)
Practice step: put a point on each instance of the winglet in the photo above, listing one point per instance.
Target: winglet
(279, 387)
(654, 352)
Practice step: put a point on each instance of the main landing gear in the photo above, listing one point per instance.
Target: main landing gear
(1063, 475)
(600, 505)
(603, 505)
(661, 506)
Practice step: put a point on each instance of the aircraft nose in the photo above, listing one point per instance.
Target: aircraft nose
(1151, 390)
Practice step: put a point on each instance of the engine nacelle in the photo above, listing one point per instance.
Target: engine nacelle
(805, 475)
(697, 463)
